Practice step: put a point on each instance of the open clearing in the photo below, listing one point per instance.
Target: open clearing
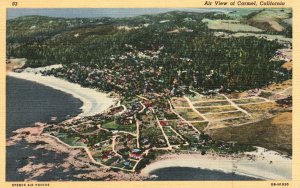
(277, 87)
(189, 114)
(270, 18)
(257, 35)
(200, 126)
(260, 107)
(230, 25)
(220, 116)
(208, 103)
(247, 100)
(179, 102)
(287, 65)
(215, 109)
(274, 133)
(114, 126)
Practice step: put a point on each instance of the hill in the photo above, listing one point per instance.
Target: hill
(171, 51)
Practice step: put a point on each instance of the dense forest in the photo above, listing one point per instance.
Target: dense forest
(172, 51)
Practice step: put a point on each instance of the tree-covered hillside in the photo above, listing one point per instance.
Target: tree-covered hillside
(167, 52)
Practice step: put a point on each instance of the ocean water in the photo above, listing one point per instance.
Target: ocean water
(98, 12)
(29, 102)
(26, 103)
(195, 174)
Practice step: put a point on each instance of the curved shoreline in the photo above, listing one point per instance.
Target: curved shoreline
(94, 102)
(260, 167)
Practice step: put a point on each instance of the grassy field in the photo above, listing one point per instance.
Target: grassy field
(257, 35)
(237, 121)
(247, 100)
(114, 126)
(240, 13)
(199, 125)
(230, 25)
(216, 109)
(274, 133)
(276, 87)
(195, 98)
(189, 114)
(70, 140)
(270, 18)
(220, 116)
(217, 103)
(179, 102)
(260, 108)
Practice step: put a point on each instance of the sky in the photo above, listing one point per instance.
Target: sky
(94, 12)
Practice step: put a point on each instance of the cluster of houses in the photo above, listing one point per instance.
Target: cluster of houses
(283, 55)
(123, 150)
(252, 93)
(131, 73)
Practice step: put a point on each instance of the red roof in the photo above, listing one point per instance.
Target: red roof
(163, 123)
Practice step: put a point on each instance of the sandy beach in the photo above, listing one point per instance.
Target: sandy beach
(94, 102)
(258, 167)
(262, 164)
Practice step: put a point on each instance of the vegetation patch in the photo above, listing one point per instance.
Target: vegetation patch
(274, 133)
(237, 121)
(269, 19)
(173, 138)
(216, 109)
(259, 108)
(220, 116)
(115, 126)
(71, 140)
(208, 103)
(179, 102)
(147, 59)
(86, 128)
(186, 131)
(229, 25)
(152, 136)
(199, 125)
(198, 98)
(189, 114)
(247, 100)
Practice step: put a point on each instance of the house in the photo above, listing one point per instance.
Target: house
(136, 150)
(163, 123)
(126, 163)
(135, 155)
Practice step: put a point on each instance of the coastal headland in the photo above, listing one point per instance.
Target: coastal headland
(207, 90)
(262, 163)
